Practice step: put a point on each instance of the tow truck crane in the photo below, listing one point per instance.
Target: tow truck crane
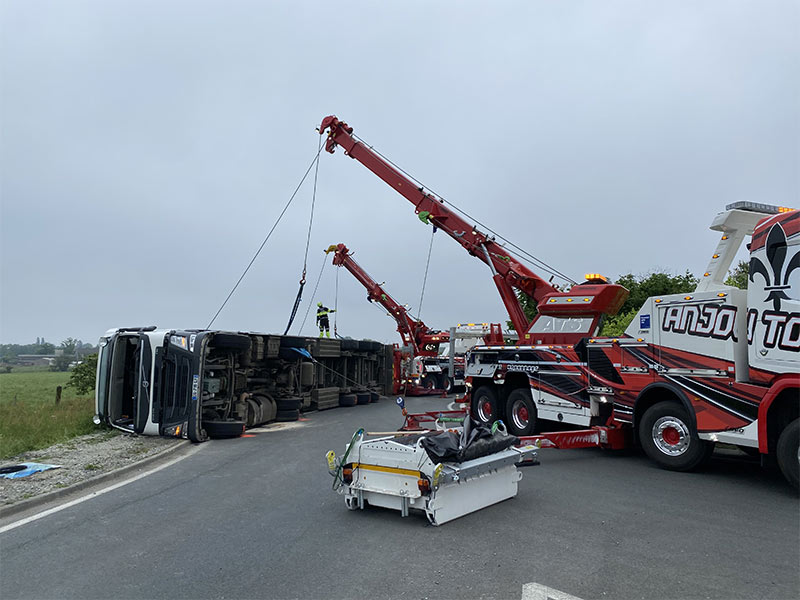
(717, 365)
(564, 317)
(422, 341)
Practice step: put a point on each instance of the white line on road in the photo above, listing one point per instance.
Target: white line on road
(535, 591)
(110, 488)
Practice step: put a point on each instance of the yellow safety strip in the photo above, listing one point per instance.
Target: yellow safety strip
(408, 472)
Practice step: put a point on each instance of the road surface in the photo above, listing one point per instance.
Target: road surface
(255, 517)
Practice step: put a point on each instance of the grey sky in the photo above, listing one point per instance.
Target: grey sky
(147, 148)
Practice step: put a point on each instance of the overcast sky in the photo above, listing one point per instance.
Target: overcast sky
(147, 147)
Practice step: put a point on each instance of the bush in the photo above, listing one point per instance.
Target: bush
(83, 375)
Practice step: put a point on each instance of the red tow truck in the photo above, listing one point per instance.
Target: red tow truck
(716, 365)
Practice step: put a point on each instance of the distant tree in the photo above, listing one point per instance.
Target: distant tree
(83, 375)
(739, 275)
(69, 345)
(528, 307)
(44, 348)
(641, 288)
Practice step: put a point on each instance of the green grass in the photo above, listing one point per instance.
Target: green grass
(29, 416)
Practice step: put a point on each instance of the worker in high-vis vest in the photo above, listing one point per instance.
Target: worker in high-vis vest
(322, 319)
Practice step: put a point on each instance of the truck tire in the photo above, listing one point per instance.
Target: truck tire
(668, 438)
(231, 341)
(520, 412)
(428, 382)
(223, 429)
(347, 400)
(788, 452)
(287, 415)
(289, 403)
(362, 398)
(484, 405)
(447, 383)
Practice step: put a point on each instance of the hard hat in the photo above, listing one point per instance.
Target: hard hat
(319, 303)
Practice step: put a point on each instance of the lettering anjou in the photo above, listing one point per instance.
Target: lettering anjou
(709, 320)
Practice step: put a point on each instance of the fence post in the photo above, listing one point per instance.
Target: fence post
(58, 394)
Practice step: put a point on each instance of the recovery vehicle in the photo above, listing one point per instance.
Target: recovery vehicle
(717, 365)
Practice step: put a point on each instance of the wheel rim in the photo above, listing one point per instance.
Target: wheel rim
(485, 410)
(520, 415)
(671, 436)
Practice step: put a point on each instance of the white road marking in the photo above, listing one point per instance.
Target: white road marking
(110, 488)
(455, 406)
(535, 591)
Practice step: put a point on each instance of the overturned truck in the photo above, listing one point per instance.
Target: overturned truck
(197, 384)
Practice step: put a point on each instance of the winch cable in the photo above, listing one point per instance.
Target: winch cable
(261, 247)
(530, 258)
(313, 295)
(299, 297)
(425, 278)
(336, 305)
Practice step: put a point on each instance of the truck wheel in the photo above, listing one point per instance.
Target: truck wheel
(520, 412)
(287, 415)
(788, 452)
(446, 383)
(427, 382)
(223, 429)
(231, 341)
(668, 438)
(347, 400)
(289, 403)
(484, 405)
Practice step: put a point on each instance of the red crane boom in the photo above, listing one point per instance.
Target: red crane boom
(590, 300)
(422, 340)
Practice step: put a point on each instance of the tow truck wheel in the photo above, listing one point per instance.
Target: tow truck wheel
(484, 405)
(788, 452)
(447, 383)
(520, 412)
(668, 438)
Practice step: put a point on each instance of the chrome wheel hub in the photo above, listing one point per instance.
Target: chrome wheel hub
(671, 436)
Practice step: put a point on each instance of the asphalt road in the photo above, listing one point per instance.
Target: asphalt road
(255, 517)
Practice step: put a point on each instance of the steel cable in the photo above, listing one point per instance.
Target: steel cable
(261, 247)
(534, 261)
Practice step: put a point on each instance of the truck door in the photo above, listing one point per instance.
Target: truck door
(144, 363)
(177, 389)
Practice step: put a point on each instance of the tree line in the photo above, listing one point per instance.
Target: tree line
(69, 351)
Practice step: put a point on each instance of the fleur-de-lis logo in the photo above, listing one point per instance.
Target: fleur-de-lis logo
(776, 255)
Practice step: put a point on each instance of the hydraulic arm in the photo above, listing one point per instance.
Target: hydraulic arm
(423, 341)
(586, 300)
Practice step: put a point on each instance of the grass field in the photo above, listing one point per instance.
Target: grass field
(29, 416)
